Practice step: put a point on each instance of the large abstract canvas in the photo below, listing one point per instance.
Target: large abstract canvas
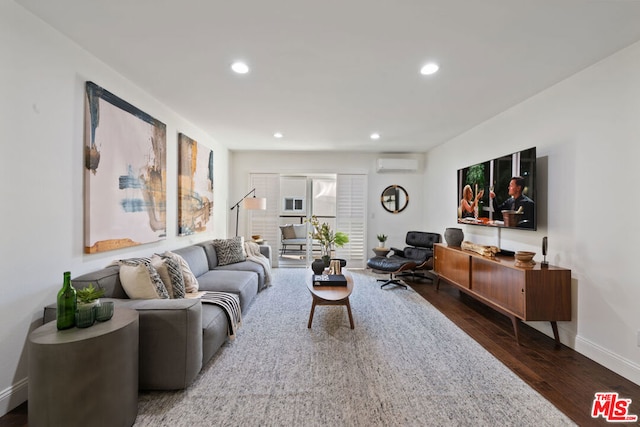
(125, 173)
(195, 187)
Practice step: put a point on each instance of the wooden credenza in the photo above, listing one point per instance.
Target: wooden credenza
(538, 293)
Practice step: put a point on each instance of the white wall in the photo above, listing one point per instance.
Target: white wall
(41, 169)
(379, 221)
(586, 130)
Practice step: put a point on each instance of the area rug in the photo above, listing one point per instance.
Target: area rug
(404, 364)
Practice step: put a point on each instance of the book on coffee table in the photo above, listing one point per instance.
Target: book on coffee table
(329, 280)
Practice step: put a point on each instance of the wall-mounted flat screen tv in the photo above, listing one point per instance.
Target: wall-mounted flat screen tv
(500, 192)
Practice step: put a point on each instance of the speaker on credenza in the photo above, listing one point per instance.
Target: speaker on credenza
(544, 251)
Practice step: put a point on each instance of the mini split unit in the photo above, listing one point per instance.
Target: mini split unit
(397, 165)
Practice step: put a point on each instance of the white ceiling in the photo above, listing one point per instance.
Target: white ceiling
(328, 73)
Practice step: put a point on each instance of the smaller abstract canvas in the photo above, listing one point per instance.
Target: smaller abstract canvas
(195, 187)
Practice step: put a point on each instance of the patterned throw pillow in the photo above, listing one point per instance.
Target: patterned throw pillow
(141, 280)
(190, 282)
(229, 251)
(171, 274)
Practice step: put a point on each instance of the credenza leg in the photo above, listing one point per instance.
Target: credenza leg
(516, 328)
(437, 283)
(556, 336)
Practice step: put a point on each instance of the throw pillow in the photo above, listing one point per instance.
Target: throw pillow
(229, 251)
(300, 231)
(171, 274)
(141, 280)
(288, 232)
(190, 281)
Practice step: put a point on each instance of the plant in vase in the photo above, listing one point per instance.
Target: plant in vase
(382, 238)
(87, 297)
(327, 238)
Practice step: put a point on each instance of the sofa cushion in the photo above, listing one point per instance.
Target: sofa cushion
(190, 281)
(210, 251)
(141, 280)
(242, 283)
(229, 251)
(247, 266)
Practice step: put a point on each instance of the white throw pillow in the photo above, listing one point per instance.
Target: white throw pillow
(140, 280)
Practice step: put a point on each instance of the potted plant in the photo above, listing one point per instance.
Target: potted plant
(382, 238)
(89, 296)
(327, 238)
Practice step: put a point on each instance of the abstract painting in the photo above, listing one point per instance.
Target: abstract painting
(125, 173)
(195, 187)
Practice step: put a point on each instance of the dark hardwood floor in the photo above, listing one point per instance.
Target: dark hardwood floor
(563, 376)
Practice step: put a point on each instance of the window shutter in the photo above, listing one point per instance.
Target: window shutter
(265, 223)
(351, 216)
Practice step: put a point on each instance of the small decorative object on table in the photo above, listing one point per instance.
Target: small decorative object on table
(329, 280)
(488, 251)
(317, 266)
(524, 259)
(335, 267)
(453, 236)
(545, 263)
(382, 238)
(66, 304)
(104, 311)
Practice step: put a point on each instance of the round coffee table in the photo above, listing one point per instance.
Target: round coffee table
(330, 295)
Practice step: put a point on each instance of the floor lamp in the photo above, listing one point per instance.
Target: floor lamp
(249, 203)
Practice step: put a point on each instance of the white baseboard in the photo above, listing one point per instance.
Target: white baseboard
(609, 360)
(13, 396)
(598, 354)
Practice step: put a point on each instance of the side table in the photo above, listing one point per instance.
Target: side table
(85, 377)
(381, 251)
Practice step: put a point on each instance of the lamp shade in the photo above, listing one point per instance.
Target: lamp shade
(255, 203)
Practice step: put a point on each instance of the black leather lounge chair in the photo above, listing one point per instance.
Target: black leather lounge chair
(418, 255)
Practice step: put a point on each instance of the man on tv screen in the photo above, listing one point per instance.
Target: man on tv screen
(518, 202)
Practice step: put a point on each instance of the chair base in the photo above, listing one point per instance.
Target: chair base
(391, 281)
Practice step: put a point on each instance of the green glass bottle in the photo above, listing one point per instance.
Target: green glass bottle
(66, 308)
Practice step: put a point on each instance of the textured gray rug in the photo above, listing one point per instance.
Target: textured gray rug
(404, 364)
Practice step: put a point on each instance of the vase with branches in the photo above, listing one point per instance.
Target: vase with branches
(327, 238)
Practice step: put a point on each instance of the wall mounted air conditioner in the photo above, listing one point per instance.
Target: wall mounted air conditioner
(397, 165)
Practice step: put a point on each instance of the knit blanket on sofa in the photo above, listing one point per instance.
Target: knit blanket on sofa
(253, 254)
(230, 304)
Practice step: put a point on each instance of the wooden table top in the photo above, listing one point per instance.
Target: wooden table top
(330, 293)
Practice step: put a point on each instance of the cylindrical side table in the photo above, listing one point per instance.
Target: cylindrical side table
(85, 377)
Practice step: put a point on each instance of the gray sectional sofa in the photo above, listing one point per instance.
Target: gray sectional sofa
(177, 337)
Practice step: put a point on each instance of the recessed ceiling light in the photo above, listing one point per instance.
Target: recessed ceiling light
(375, 136)
(240, 67)
(278, 135)
(429, 69)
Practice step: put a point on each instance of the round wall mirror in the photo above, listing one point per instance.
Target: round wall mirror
(394, 199)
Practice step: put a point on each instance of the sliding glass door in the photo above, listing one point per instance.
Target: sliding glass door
(339, 200)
